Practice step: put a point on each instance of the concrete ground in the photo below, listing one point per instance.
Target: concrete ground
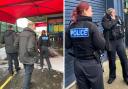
(40, 80)
(118, 83)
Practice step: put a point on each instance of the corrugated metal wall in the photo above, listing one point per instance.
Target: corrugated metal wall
(99, 10)
(118, 5)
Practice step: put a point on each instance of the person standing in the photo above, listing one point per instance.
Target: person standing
(85, 39)
(27, 45)
(44, 51)
(12, 53)
(114, 35)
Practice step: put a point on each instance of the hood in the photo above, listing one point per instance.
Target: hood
(29, 29)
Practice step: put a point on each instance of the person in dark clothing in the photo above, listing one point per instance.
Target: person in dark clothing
(28, 52)
(114, 35)
(12, 53)
(43, 47)
(85, 40)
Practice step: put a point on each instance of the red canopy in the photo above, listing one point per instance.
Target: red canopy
(10, 10)
(40, 24)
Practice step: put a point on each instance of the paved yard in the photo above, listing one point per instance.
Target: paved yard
(40, 80)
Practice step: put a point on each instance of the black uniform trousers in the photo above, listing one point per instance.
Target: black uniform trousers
(119, 47)
(89, 74)
(45, 55)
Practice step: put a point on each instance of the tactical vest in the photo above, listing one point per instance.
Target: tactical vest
(81, 38)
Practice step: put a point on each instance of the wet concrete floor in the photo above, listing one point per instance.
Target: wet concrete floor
(40, 80)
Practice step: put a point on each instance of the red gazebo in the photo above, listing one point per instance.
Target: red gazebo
(11, 10)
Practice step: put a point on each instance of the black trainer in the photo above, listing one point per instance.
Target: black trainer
(110, 80)
(11, 72)
(18, 69)
(126, 81)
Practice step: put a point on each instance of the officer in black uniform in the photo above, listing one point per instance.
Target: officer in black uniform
(85, 39)
(114, 35)
(43, 44)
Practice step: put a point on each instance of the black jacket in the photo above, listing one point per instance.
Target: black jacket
(86, 42)
(43, 41)
(110, 26)
(8, 39)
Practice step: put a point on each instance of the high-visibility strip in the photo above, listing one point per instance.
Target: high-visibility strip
(6, 82)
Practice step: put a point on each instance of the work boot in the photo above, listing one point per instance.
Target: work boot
(110, 80)
(11, 72)
(18, 69)
(49, 69)
(126, 81)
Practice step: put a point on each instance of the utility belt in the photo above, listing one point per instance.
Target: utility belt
(95, 56)
(117, 33)
(92, 56)
(87, 57)
(113, 39)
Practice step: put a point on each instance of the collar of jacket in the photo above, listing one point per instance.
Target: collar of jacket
(84, 18)
(43, 35)
(28, 29)
(9, 32)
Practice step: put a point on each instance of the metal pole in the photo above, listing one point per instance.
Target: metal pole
(0, 27)
(16, 27)
(6, 26)
(47, 24)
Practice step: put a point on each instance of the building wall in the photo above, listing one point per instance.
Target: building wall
(118, 5)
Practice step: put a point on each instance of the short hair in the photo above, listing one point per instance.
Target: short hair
(109, 10)
(30, 24)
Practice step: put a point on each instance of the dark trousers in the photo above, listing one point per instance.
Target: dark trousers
(89, 74)
(10, 58)
(27, 77)
(117, 46)
(45, 55)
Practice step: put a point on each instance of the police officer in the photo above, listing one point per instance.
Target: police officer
(85, 39)
(114, 35)
(44, 51)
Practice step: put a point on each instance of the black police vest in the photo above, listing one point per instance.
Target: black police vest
(117, 32)
(82, 41)
(44, 40)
